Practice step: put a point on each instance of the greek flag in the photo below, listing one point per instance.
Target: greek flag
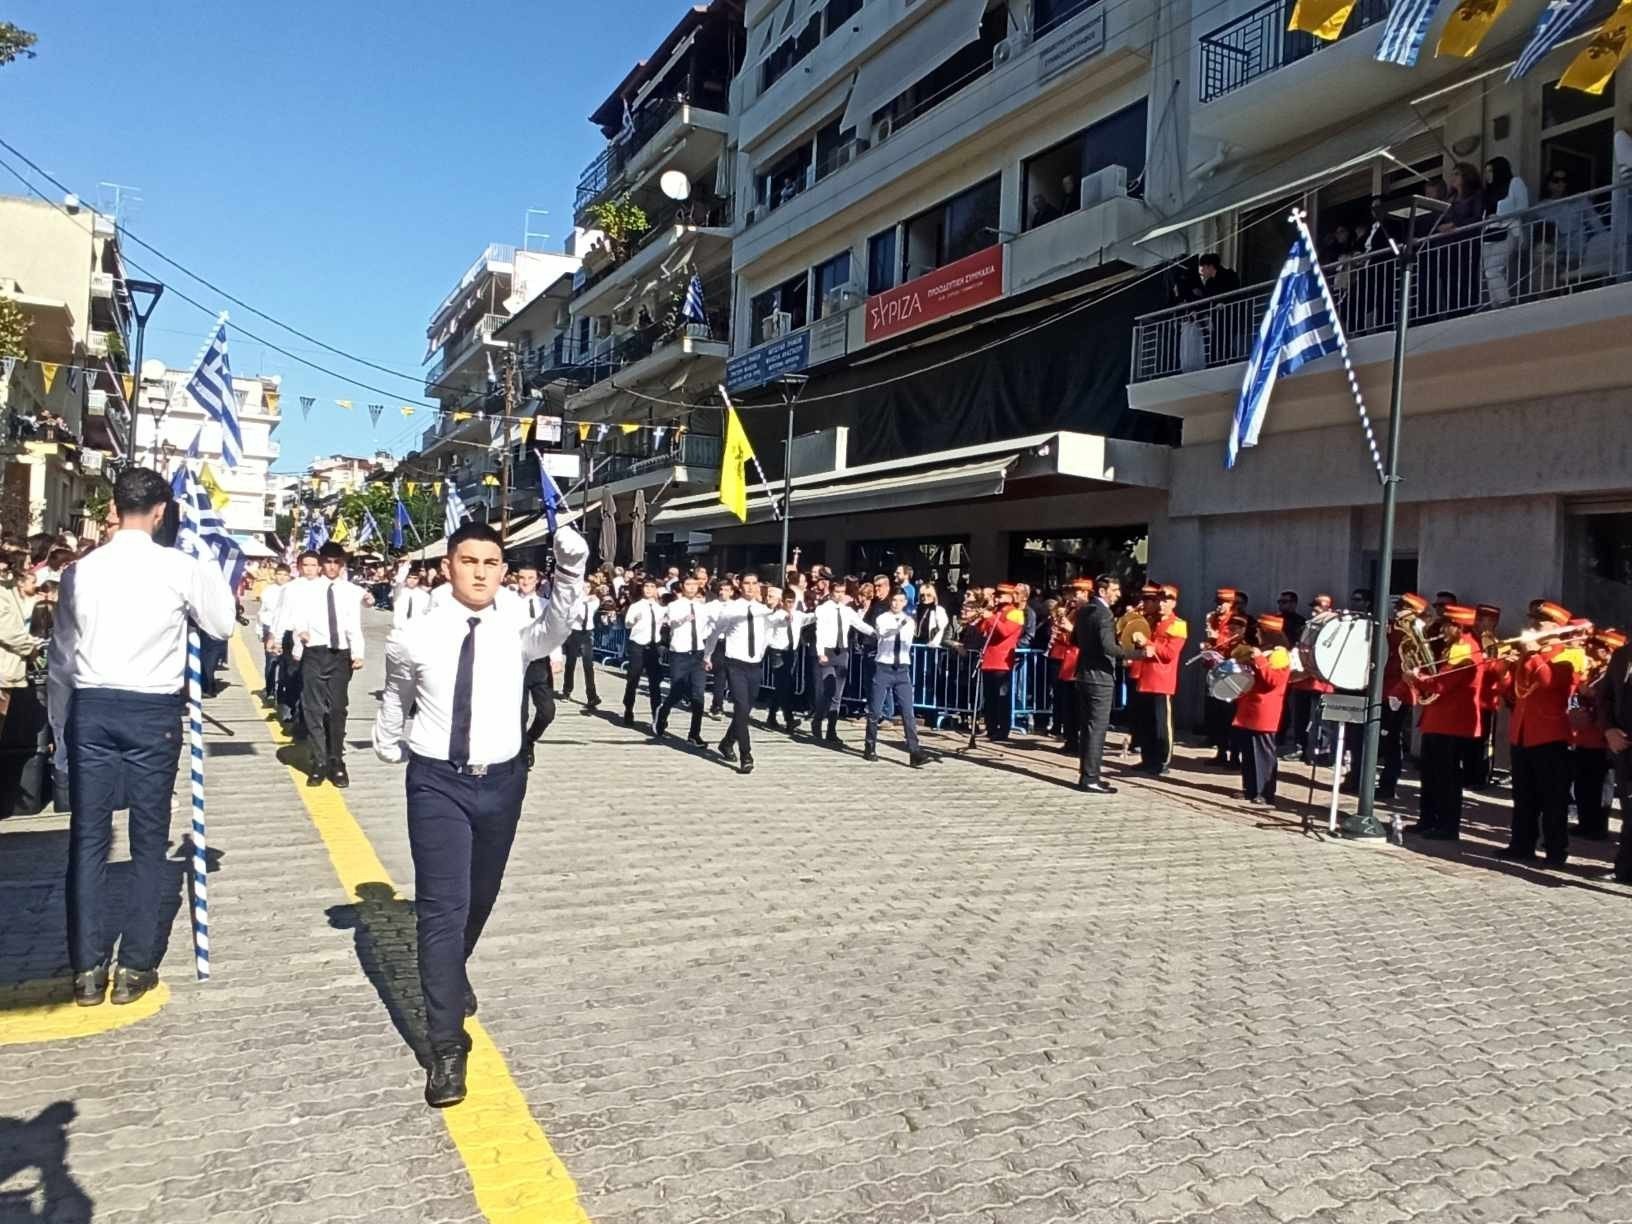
(317, 533)
(370, 529)
(211, 386)
(692, 311)
(1298, 327)
(455, 512)
(201, 532)
(1557, 20)
(549, 492)
(1405, 31)
(401, 521)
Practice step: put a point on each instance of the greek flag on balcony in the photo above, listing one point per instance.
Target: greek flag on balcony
(692, 311)
(1405, 31)
(1557, 20)
(454, 512)
(211, 387)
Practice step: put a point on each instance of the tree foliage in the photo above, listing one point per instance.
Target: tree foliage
(14, 325)
(622, 221)
(15, 43)
(376, 497)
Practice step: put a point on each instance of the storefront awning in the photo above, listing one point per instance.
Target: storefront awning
(1272, 176)
(531, 531)
(952, 26)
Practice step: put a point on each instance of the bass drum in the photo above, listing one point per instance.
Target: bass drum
(1229, 680)
(1337, 649)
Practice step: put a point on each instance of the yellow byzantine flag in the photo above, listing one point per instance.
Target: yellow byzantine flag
(1592, 69)
(219, 497)
(1470, 21)
(583, 431)
(734, 466)
(1324, 19)
(629, 427)
(340, 532)
(48, 373)
(463, 416)
(128, 381)
(271, 400)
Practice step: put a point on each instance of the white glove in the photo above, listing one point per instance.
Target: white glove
(1394, 704)
(571, 551)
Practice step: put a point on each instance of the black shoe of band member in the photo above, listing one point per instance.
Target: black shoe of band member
(1096, 788)
(131, 984)
(728, 750)
(696, 741)
(445, 1078)
(91, 987)
(747, 766)
(869, 753)
(918, 759)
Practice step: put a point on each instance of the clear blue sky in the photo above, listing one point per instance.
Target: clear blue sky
(335, 164)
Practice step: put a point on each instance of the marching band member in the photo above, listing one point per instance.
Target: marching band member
(1399, 698)
(741, 625)
(1097, 656)
(1001, 628)
(1138, 706)
(1537, 688)
(892, 675)
(1589, 748)
(1451, 717)
(689, 619)
(1481, 754)
(1258, 711)
(409, 599)
(1159, 680)
(787, 624)
(1309, 731)
(643, 622)
(836, 620)
(1225, 630)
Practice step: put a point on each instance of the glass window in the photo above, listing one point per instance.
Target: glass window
(971, 220)
(791, 50)
(838, 12)
(881, 261)
(834, 274)
(1046, 14)
(1053, 178)
(789, 297)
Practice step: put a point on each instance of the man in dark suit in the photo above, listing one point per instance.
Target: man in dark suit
(1615, 717)
(1097, 655)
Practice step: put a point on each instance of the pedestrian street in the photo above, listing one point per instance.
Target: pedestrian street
(827, 991)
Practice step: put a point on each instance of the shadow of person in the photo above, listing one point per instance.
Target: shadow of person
(387, 949)
(39, 1146)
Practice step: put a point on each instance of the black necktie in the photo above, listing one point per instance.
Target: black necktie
(334, 622)
(750, 631)
(532, 609)
(902, 650)
(651, 612)
(463, 681)
(410, 598)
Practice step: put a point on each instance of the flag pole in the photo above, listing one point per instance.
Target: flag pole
(763, 483)
(195, 740)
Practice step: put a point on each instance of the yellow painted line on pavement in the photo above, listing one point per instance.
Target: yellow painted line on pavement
(517, 1177)
(63, 1020)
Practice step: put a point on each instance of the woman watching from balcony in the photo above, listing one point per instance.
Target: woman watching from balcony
(1568, 224)
(1503, 241)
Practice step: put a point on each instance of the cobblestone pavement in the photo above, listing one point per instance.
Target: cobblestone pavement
(834, 991)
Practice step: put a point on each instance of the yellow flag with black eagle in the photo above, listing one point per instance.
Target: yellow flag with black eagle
(1595, 65)
(1467, 26)
(734, 466)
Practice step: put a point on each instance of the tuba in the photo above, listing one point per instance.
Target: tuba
(1416, 649)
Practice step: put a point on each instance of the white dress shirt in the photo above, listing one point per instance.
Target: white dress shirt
(689, 623)
(584, 612)
(744, 626)
(937, 620)
(645, 620)
(441, 596)
(310, 615)
(409, 603)
(422, 667)
(122, 614)
(271, 597)
(833, 625)
(895, 633)
(786, 628)
(283, 622)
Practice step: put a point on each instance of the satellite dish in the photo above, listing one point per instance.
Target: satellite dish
(675, 185)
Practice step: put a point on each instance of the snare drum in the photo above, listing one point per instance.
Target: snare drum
(1229, 680)
(1337, 649)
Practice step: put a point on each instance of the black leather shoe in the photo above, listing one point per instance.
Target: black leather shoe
(869, 753)
(747, 766)
(696, 741)
(1435, 834)
(445, 1080)
(470, 1001)
(793, 726)
(653, 730)
(594, 703)
(91, 987)
(918, 760)
(1096, 788)
(833, 741)
(1558, 860)
(628, 718)
(314, 777)
(1511, 854)
(131, 984)
(340, 778)
(728, 751)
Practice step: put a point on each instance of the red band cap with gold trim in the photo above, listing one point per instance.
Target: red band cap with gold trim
(1151, 589)
(1544, 609)
(1489, 610)
(1226, 594)
(1410, 599)
(1271, 622)
(1006, 588)
(1461, 614)
(1170, 591)
(1613, 638)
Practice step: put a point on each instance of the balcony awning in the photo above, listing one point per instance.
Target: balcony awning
(953, 25)
(1277, 174)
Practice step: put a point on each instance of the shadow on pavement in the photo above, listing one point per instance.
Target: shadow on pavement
(35, 1183)
(383, 934)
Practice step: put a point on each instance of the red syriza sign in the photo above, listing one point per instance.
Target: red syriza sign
(971, 281)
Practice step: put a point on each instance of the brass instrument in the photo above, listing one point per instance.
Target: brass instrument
(1132, 631)
(1416, 650)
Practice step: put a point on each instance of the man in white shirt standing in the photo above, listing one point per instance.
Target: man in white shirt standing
(836, 620)
(581, 648)
(411, 599)
(328, 626)
(461, 671)
(787, 623)
(892, 677)
(643, 623)
(283, 640)
(538, 686)
(742, 627)
(123, 611)
(688, 619)
(266, 620)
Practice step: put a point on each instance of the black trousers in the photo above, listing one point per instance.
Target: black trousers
(120, 744)
(686, 679)
(721, 683)
(1156, 744)
(289, 682)
(538, 688)
(1479, 755)
(1313, 736)
(1138, 716)
(460, 829)
(272, 689)
(1439, 803)
(1541, 798)
(1217, 718)
(784, 671)
(1621, 762)
(831, 678)
(325, 696)
(742, 678)
(580, 647)
(1395, 729)
(1260, 762)
(995, 702)
(1591, 767)
(1095, 693)
(643, 660)
(892, 680)
(1065, 710)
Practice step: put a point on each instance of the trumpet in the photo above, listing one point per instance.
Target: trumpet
(1507, 649)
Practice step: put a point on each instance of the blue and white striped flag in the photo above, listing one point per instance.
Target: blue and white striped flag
(454, 513)
(201, 531)
(370, 530)
(1298, 327)
(549, 493)
(1556, 22)
(317, 533)
(211, 386)
(402, 520)
(1405, 31)
(692, 311)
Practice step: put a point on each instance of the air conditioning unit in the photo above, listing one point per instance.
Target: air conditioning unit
(779, 324)
(884, 127)
(1002, 53)
(96, 403)
(753, 215)
(840, 298)
(1110, 183)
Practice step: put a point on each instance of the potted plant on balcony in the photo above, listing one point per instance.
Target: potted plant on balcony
(622, 223)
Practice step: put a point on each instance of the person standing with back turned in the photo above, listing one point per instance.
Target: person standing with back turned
(461, 670)
(122, 627)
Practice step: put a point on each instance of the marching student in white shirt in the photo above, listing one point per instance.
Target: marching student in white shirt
(327, 621)
(308, 573)
(410, 599)
(835, 621)
(742, 626)
(538, 686)
(460, 670)
(265, 621)
(688, 619)
(787, 623)
(892, 677)
(644, 624)
(121, 630)
(581, 647)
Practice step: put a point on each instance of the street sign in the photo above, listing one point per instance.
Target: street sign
(1343, 707)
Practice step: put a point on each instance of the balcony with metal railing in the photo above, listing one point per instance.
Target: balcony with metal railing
(624, 160)
(1258, 42)
(1560, 251)
(461, 347)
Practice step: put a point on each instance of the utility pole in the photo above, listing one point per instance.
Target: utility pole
(504, 454)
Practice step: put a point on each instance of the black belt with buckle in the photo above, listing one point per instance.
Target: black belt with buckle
(472, 770)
